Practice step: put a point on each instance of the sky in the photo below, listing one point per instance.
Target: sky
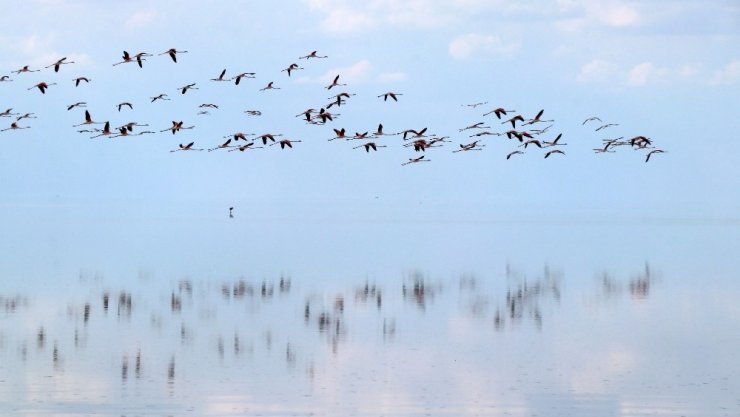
(668, 70)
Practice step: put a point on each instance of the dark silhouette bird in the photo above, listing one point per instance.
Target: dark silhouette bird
(285, 142)
(125, 104)
(79, 79)
(269, 86)
(604, 126)
(590, 119)
(25, 68)
(514, 153)
(188, 147)
(292, 67)
(416, 160)
(184, 89)
(472, 146)
(88, 120)
(498, 112)
(537, 119)
(334, 83)
(554, 152)
(237, 79)
(231, 212)
(159, 97)
(221, 76)
(391, 95)
(654, 151)
(14, 126)
(370, 145)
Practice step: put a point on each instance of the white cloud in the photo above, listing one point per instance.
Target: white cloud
(141, 19)
(645, 72)
(583, 14)
(598, 70)
(729, 74)
(472, 44)
(386, 77)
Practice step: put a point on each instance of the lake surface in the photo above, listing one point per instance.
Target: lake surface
(150, 316)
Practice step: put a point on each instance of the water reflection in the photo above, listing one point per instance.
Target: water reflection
(418, 345)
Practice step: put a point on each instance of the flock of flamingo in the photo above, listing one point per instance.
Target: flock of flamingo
(529, 133)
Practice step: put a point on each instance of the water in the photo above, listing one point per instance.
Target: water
(149, 317)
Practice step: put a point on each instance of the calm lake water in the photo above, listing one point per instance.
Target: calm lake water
(149, 317)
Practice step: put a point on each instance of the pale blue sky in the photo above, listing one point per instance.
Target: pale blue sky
(669, 70)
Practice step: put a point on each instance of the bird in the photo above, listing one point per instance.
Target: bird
(267, 136)
(253, 112)
(554, 142)
(474, 105)
(246, 147)
(379, 132)
(176, 127)
(472, 146)
(590, 119)
(14, 126)
(324, 116)
(334, 83)
(417, 134)
(105, 132)
(370, 145)
(415, 160)
(42, 86)
(221, 76)
(534, 142)
(553, 152)
(78, 79)
(59, 63)
(306, 114)
(172, 52)
(269, 86)
(312, 54)
(604, 126)
(239, 77)
(125, 104)
(292, 67)
(5, 78)
(231, 212)
(159, 97)
(537, 119)
(513, 120)
(514, 153)
(640, 141)
(478, 125)
(359, 135)
(78, 104)
(26, 116)
(188, 147)
(285, 142)
(340, 134)
(239, 136)
(222, 146)
(208, 105)
(8, 113)
(24, 68)
(647, 157)
(184, 89)
(128, 58)
(88, 120)
(498, 112)
(391, 95)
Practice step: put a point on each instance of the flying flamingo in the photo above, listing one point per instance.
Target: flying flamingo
(312, 54)
(370, 145)
(222, 146)
(239, 77)
(267, 136)
(285, 142)
(78, 104)
(172, 52)
(25, 68)
(473, 146)
(553, 152)
(188, 147)
(79, 79)
(42, 86)
(514, 153)
(478, 125)
(59, 63)
(391, 95)
(125, 104)
(269, 86)
(14, 126)
(647, 158)
(334, 83)
(176, 127)
(184, 89)
(340, 134)
(105, 132)
(537, 119)
(88, 120)
(221, 76)
(159, 97)
(498, 112)
(292, 67)
(415, 160)
(5, 78)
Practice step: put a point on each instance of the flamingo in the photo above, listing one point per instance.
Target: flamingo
(590, 119)
(125, 104)
(340, 134)
(285, 142)
(379, 132)
(334, 83)
(514, 153)
(188, 147)
(478, 125)
(5, 78)
(184, 89)
(604, 126)
(26, 116)
(554, 142)
(176, 127)
(8, 113)
(78, 79)
(59, 63)
(105, 132)
(391, 95)
(172, 52)
(222, 146)
(292, 67)
(484, 133)
(417, 134)
(14, 126)
(474, 105)
(239, 77)
(554, 152)
(159, 97)
(266, 136)
(647, 157)
(42, 86)
(25, 68)
(415, 160)
(246, 147)
(253, 112)
(498, 112)
(88, 120)
(472, 146)
(537, 119)
(359, 135)
(239, 135)
(513, 120)
(208, 105)
(370, 145)
(312, 54)
(78, 104)
(269, 86)
(307, 114)
(221, 76)
(531, 142)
